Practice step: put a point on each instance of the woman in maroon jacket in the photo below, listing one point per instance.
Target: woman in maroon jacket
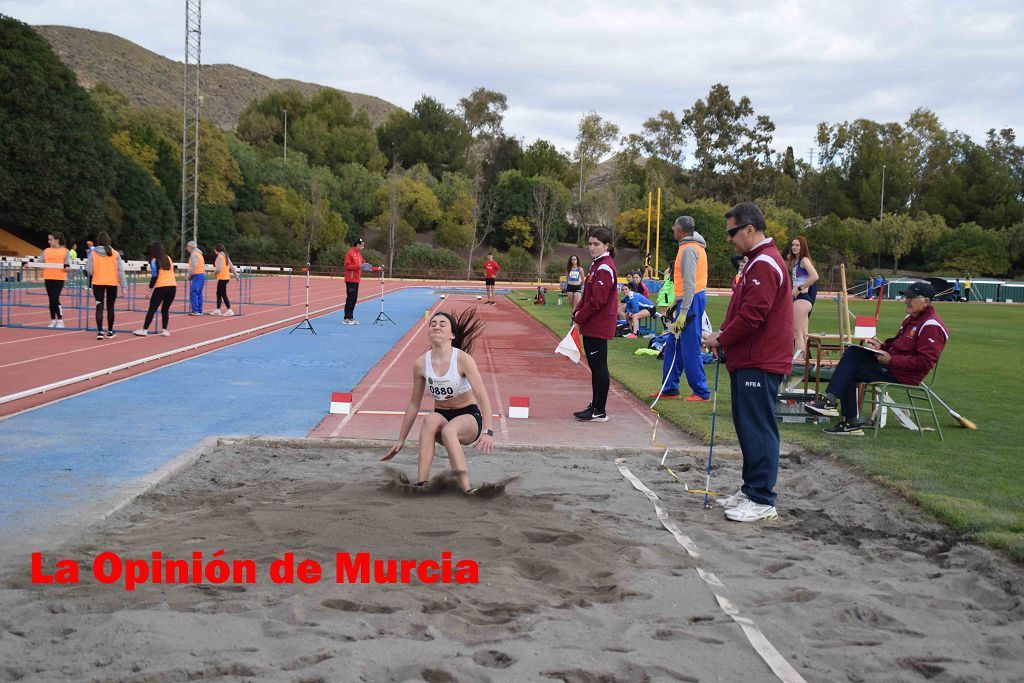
(595, 315)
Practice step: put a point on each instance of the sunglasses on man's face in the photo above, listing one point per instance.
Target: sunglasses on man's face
(732, 231)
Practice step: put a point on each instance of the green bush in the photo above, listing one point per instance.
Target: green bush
(517, 263)
(451, 235)
(436, 262)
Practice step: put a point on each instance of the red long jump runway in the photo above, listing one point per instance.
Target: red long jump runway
(516, 356)
(33, 358)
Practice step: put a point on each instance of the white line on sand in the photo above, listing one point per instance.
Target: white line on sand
(778, 664)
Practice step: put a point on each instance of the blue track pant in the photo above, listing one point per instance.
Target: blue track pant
(685, 352)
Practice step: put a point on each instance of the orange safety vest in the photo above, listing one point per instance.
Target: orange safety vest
(55, 255)
(165, 278)
(701, 281)
(225, 271)
(200, 264)
(104, 269)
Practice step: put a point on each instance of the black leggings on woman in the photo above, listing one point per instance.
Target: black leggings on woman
(596, 351)
(162, 298)
(110, 293)
(222, 293)
(53, 289)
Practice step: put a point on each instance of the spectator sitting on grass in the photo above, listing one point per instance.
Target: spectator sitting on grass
(906, 358)
(637, 307)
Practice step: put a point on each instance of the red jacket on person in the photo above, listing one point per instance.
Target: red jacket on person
(916, 347)
(758, 328)
(354, 265)
(598, 310)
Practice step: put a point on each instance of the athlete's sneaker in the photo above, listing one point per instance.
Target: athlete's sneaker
(53, 323)
(111, 334)
(823, 406)
(586, 411)
(694, 398)
(592, 416)
(472, 492)
(667, 394)
(217, 312)
(348, 321)
(845, 428)
(59, 325)
(141, 333)
(165, 333)
(749, 511)
(629, 336)
(99, 336)
(732, 501)
(353, 321)
(228, 313)
(194, 313)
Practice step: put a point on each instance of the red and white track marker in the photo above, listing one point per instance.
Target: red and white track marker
(341, 403)
(864, 326)
(519, 407)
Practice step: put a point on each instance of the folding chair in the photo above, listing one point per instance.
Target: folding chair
(919, 400)
(649, 325)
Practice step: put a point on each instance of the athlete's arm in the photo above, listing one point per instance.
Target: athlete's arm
(467, 367)
(418, 384)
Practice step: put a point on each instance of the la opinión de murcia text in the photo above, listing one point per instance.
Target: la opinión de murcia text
(109, 568)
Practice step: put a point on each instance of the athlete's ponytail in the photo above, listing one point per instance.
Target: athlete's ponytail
(466, 327)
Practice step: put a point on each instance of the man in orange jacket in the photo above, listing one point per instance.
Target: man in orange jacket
(355, 264)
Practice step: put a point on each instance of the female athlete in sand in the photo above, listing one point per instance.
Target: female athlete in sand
(462, 411)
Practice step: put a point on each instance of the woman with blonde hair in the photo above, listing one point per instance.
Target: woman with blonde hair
(805, 291)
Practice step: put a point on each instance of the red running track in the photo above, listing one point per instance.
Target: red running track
(31, 358)
(516, 356)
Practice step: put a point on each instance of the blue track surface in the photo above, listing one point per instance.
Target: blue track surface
(61, 456)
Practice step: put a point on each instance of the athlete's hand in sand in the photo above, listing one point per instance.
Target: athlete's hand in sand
(392, 452)
(485, 443)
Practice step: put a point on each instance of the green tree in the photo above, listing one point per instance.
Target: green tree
(970, 248)
(483, 112)
(58, 166)
(543, 158)
(518, 231)
(431, 134)
(594, 140)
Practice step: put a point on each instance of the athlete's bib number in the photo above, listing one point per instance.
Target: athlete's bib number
(442, 392)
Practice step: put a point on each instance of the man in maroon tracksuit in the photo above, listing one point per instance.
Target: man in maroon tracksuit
(757, 337)
(596, 315)
(906, 358)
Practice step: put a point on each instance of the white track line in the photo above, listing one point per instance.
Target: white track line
(123, 366)
(775, 661)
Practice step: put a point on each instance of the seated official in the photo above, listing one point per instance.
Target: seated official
(636, 307)
(906, 358)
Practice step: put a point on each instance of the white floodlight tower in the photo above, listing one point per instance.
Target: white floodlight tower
(190, 102)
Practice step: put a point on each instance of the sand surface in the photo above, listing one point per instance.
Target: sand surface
(578, 581)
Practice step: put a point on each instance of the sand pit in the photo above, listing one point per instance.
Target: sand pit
(578, 581)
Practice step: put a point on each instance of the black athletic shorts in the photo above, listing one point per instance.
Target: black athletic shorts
(489, 281)
(570, 289)
(472, 409)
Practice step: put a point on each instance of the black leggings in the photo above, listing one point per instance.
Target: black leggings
(222, 293)
(161, 297)
(596, 351)
(53, 289)
(110, 292)
(351, 295)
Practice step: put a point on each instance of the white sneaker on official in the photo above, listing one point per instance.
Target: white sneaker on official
(59, 325)
(228, 313)
(140, 333)
(53, 323)
(165, 333)
(732, 501)
(749, 511)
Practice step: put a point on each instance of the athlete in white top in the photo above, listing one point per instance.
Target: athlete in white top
(462, 411)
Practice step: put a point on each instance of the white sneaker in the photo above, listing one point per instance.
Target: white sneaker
(732, 501)
(354, 321)
(165, 333)
(749, 511)
(140, 333)
(217, 312)
(59, 325)
(347, 321)
(53, 323)
(228, 313)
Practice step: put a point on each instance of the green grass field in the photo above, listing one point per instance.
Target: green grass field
(974, 481)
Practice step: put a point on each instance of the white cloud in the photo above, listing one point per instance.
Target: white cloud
(799, 62)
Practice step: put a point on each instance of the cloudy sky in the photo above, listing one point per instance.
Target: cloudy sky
(799, 62)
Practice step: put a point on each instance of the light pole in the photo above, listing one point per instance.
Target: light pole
(881, 212)
(285, 134)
